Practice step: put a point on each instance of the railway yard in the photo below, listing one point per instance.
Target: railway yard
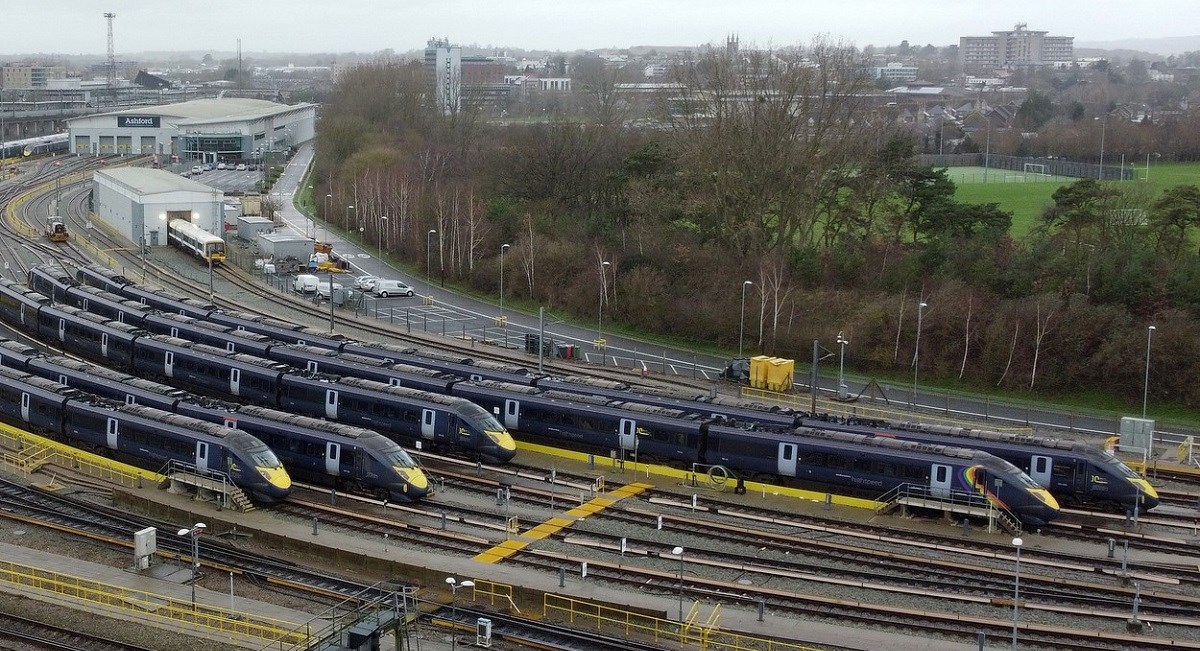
(554, 549)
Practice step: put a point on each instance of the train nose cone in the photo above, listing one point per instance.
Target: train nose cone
(415, 477)
(277, 477)
(1046, 498)
(1148, 493)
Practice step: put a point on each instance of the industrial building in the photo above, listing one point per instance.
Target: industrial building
(203, 130)
(138, 202)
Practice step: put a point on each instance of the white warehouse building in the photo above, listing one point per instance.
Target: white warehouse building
(138, 203)
(203, 130)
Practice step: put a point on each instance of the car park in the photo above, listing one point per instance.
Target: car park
(386, 288)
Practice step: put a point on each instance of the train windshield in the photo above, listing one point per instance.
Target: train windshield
(1124, 469)
(259, 453)
(479, 418)
(399, 458)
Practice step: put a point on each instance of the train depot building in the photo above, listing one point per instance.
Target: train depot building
(138, 203)
(200, 131)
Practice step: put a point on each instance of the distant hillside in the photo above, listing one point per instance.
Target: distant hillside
(1160, 46)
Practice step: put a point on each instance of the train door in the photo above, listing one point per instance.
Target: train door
(333, 459)
(201, 456)
(428, 423)
(174, 332)
(310, 366)
(235, 381)
(331, 403)
(112, 431)
(1039, 469)
(25, 406)
(785, 462)
(627, 434)
(104, 344)
(169, 364)
(940, 480)
(62, 329)
(512, 413)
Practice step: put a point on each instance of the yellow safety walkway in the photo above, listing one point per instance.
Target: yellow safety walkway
(556, 524)
(141, 604)
(31, 451)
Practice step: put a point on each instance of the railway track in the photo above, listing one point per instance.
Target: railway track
(43, 635)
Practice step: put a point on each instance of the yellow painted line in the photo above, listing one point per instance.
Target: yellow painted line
(555, 524)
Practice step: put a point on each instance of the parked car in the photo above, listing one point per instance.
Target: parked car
(323, 289)
(386, 288)
(197, 169)
(305, 283)
(241, 167)
(221, 166)
(366, 283)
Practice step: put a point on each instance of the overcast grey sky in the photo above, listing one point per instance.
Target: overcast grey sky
(78, 26)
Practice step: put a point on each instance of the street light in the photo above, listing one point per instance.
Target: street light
(328, 200)
(348, 209)
(1103, 127)
(1017, 542)
(454, 586)
(382, 230)
(742, 318)
(917, 351)
(195, 532)
(429, 253)
(842, 341)
(600, 316)
(678, 551)
(503, 248)
(1146, 382)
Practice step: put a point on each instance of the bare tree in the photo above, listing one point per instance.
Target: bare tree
(1041, 327)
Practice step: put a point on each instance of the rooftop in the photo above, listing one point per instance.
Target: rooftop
(144, 180)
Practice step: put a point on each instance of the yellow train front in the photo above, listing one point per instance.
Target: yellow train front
(56, 229)
(197, 241)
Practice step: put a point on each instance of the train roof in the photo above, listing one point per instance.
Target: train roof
(317, 424)
(178, 420)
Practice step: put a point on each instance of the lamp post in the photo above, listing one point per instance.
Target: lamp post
(194, 532)
(429, 253)
(600, 314)
(1017, 542)
(328, 201)
(1146, 382)
(987, 151)
(348, 209)
(503, 248)
(917, 351)
(842, 341)
(678, 551)
(742, 318)
(454, 586)
(382, 230)
(1103, 127)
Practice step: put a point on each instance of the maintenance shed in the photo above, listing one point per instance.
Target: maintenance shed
(278, 246)
(138, 202)
(249, 226)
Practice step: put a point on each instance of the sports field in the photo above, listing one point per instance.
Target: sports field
(1027, 197)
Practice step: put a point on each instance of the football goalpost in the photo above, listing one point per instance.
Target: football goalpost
(1036, 168)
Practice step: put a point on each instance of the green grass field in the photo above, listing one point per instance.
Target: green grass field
(1027, 195)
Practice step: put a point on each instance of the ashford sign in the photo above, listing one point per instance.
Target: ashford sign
(137, 121)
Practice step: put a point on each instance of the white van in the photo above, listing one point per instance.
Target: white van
(305, 283)
(196, 169)
(386, 288)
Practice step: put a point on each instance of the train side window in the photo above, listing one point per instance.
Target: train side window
(1062, 470)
